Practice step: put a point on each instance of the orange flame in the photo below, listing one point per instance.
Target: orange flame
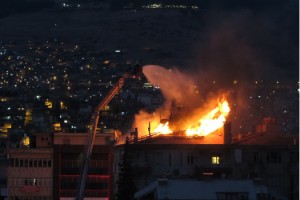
(211, 122)
(163, 129)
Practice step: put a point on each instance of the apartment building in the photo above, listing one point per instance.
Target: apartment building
(29, 174)
(68, 157)
(271, 159)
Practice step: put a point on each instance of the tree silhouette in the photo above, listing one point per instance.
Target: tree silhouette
(126, 187)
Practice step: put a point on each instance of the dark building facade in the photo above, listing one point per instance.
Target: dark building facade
(68, 150)
(271, 159)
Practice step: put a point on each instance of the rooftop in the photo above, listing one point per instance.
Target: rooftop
(269, 139)
(194, 189)
(217, 138)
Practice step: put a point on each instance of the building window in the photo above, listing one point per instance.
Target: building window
(49, 163)
(146, 157)
(40, 163)
(191, 159)
(25, 163)
(215, 160)
(294, 157)
(274, 157)
(158, 158)
(21, 163)
(180, 159)
(170, 159)
(256, 157)
(44, 163)
(30, 163)
(274, 180)
(35, 163)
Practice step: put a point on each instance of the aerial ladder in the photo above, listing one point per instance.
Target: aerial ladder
(93, 124)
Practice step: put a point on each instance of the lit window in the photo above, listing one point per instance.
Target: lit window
(215, 160)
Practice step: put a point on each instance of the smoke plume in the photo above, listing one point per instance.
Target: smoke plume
(184, 104)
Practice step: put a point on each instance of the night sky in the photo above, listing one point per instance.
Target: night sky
(243, 40)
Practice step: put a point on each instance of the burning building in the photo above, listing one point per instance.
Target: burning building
(193, 140)
(268, 159)
(185, 112)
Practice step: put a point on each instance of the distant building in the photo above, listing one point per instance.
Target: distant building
(29, 175)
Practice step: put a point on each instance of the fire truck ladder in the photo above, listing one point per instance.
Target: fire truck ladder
(91, 136)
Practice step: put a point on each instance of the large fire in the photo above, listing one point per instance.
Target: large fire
(211, 122)
(163, 129)
(207, 124)
(186, 111)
